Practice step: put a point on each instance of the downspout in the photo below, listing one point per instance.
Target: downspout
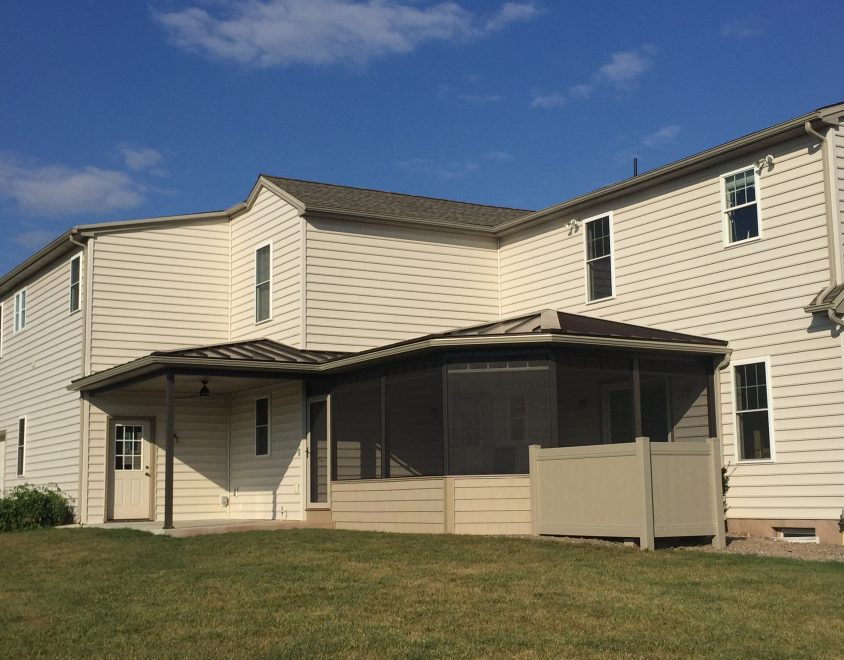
(82, 491)
(834, 260)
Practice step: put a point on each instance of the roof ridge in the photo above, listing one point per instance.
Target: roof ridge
(392, 192)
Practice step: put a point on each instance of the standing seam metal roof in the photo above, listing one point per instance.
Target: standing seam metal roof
(264, 350)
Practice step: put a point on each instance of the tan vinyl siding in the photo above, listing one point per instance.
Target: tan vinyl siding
(370, 285)
(36, 366)
(434, 505)
(200, 460)
(492, 505)
(159, 289)
(271, 219)
(673, 272)
(393, 505)
(268, 486)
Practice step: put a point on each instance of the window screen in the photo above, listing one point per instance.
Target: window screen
(497, 409)
(594, 399)
(262, 283)
(414, 416)
(754, 433)
(262, 427)
(21, 444)
(356, 429)
(75, 298)
(598, 259)
(20, 310)
(741, 204)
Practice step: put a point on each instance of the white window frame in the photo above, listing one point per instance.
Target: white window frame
(586, 260)
(725, 221)
(78, 285)
(269, 425)
(269, 318)
(766, 360)
(20, 464)
(2, 326)
(17, 326)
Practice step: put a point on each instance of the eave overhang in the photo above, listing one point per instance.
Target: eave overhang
(154, 365)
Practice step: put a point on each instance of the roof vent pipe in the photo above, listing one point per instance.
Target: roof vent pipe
(635, 167)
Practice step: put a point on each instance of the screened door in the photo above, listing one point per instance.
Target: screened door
(318, 466)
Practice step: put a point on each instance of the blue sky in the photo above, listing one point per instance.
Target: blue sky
(117, 110)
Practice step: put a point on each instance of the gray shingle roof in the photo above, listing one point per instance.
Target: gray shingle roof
(339, 199)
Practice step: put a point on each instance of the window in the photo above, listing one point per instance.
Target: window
(75, 298)
(263, 276)
(599, 277)
(741, 206)
(20, 310)
(262, 427)
(2, 312)
(21, 444)
(753, 428)
(127, 447)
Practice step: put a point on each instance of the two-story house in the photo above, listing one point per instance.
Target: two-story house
(326, 353)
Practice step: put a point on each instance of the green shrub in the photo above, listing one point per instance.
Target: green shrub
(30, 507)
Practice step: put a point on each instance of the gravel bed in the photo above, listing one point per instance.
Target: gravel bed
(739, 545)
(736, 545)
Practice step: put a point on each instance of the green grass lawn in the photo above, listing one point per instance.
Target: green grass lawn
(293, 593)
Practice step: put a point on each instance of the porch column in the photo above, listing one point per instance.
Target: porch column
(169, 446)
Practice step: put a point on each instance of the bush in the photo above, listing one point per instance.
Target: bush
(30, 507)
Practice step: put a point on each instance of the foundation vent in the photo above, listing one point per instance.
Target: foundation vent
(797, 534)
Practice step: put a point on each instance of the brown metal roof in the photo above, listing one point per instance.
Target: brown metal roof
(268, 356)
(344, 199)
(551, 321)
(264, 350)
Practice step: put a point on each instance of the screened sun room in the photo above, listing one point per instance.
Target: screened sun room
(476, 413)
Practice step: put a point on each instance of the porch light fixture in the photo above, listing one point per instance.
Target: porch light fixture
(204, 392)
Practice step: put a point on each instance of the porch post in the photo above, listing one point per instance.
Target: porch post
(637, 400)
(169, 446)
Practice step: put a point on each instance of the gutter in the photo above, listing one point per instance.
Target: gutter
(153, 365)
(64, 243)
(676, 169)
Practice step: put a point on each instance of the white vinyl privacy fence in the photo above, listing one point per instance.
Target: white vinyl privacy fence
(643, 489)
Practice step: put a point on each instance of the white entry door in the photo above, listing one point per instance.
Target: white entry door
(130, 468)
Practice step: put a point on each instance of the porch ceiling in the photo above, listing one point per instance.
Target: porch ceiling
(188, 386)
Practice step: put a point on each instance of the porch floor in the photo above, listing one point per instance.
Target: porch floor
(183, 528)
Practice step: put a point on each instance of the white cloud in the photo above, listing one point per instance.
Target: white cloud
(583, 91)
(443, 170)
(57, 189)
(139, 158)
(622, 70)
(479, 98)
(496, 156)
(265, 33)
(553, 100)
(35, 239)
(454, 169)
(625, 67)
(511, 12)
(743, 28)
(659, 138)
